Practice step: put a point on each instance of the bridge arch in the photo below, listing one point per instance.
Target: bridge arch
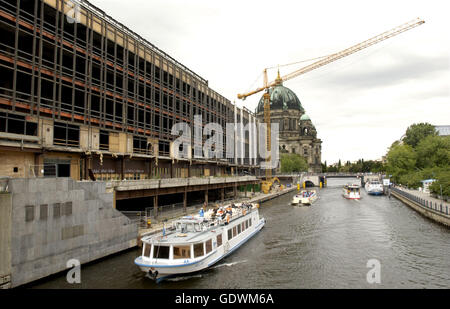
(311, 181)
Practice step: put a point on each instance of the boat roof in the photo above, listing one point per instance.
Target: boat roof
(352, 186)
(172, 236)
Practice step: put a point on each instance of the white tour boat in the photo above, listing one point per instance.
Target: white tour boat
(352, 192)
(194, 243)
(305, 197)
(374, 187)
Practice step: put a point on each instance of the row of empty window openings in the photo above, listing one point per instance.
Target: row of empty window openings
(59, 210)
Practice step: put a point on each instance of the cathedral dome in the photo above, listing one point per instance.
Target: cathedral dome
(281, 98)
(305, 118)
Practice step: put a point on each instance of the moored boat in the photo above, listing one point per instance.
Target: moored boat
(352, 192)
(374, 187)
(197, 242)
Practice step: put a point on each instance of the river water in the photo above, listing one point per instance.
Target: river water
(327, 245)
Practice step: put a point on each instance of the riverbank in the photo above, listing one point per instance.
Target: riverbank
(432, 208)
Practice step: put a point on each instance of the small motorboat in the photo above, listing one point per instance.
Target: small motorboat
(352, 192)
(305, 198)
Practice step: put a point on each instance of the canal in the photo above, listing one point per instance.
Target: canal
(327, 245)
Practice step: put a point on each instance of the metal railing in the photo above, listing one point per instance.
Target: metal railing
(170, 211)
(425, 203)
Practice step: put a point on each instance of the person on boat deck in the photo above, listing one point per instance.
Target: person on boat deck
(201, 213)
(214, 213)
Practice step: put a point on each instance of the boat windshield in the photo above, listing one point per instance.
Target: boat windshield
(184, 227)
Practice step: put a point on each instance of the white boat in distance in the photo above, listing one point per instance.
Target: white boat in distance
(305, 197)
(352, 192)
(195, 243)
(374, 187)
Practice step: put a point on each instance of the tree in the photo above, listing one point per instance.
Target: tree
(433, 151)
(442, 181)
(417, 132)
(293, 163)
(401, 159)
(324, 167)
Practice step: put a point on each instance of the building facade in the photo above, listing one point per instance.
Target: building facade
(83, 96)
(297, 132)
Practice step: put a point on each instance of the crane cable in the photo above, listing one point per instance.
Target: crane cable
(292, 63)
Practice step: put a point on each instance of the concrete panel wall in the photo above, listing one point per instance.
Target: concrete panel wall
(5, 237)
(12, 159)
(58, 219)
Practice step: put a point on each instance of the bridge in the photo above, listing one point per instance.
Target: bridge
(314, 179)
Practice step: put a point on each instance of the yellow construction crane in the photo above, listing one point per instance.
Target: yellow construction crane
(267, 184)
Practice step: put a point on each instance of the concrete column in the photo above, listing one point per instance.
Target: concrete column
(185, 199)
(235, 190)
(122, 168)
(206, 196)
(222, 193)
(5, 239)
(155, 205)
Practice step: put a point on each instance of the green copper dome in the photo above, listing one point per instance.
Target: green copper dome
(304, 118)
(281, 98)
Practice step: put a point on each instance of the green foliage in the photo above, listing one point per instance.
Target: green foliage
(361, 166)
(324, 167)
(442, 180)
(424, 155)
(433, 151)
(417, 132)
(293, 163)
(401, 160)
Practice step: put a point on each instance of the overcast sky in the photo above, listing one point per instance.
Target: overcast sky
(359, 104)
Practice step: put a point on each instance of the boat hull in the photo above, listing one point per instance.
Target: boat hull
(160, 272)
(375, 193)
(299, 200)
(351, 192)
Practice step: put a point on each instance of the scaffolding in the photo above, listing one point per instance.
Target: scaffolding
(97, 73)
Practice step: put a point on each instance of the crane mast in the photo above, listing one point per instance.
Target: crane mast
(322, 62)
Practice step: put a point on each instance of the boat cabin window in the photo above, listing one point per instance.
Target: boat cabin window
(208, 246)
(181, 252)
(230, 234)
(219, 240)
(147, 249)
(234, 231)
(250, 222)
(243, 226)
(246, 224)
(198, 250)
(239, 229)
(161, 252)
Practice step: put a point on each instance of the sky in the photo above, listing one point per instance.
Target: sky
(359, 104)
